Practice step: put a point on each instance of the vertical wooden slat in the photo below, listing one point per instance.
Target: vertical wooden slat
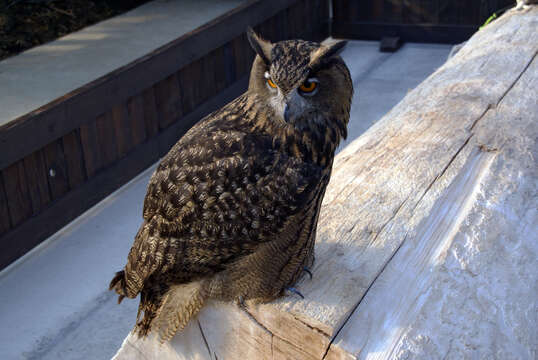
(188, 84)
(339, 11)
(358, 10)
(124, 141)
(18, 198)
(168, 101)
(282, 25)
(90, 148)
(36, 178)
(55, 161)
(240, 48)
(209, 88)
(218, 69)
(135, 110)
(151, 118)
(106, 138)
(229, 64)
(197, 86)
(73, 158)
(5, 223)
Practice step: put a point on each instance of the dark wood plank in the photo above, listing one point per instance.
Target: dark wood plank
(241, 47)
(124, 138)
(18, 241)
(90, 148)
(168, 101)
(219, 69)
(151, 118)
(197, 82)
(228, 64)
(188, 82)
(18, 198)
(209, 88)
(5, 223)
(36, 178)
(447, 34)
(56, 169)
(74, 159)
(106, 138)
(135, 110)
(339, 10)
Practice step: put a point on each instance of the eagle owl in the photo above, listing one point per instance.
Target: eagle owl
(231, 211)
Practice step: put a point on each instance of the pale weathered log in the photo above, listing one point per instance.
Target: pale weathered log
(427, 244)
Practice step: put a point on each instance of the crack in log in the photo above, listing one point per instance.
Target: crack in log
(253, 318)
(311, 327)
(494, 106)
(438, 176)
(375, 278)
(518, 77)
(204, 338)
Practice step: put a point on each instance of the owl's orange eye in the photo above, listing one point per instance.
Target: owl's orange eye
(309, 86)
(271, 83)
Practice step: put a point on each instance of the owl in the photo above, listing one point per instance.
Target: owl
(231, 211)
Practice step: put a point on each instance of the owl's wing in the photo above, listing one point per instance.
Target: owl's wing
(214, 198)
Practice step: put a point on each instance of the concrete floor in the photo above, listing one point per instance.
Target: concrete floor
(54, 302)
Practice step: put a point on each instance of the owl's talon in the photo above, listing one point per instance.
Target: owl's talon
(294, 290)
(241, 302)
(307, 270)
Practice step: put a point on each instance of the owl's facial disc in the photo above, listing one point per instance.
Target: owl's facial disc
(293, 104)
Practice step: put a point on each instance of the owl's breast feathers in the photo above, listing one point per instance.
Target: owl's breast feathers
(229, 185)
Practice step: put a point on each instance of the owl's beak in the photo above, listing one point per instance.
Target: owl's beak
(286, 113)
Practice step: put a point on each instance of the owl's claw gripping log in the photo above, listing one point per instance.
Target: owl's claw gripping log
(307, 270)
(295, 291)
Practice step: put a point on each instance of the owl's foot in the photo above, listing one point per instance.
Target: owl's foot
(295, 291)
(241, 302)
(307, 270)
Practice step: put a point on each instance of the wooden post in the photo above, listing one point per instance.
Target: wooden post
(427, 244)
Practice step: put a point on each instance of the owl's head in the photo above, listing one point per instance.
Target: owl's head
(306, 84)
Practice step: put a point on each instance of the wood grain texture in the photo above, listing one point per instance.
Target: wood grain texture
(36, 178)
(56, 169)
(5, 223)
(73, 158)
(19, 201)
(437, 170)
(106, 137)
(93, 158)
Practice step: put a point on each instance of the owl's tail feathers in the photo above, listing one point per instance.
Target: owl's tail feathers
(179, 305)
(119, 285)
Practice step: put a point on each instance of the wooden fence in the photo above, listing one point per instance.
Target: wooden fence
(440, 21)
(63, 158)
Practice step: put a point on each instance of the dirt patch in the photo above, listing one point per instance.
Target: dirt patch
(28, 23)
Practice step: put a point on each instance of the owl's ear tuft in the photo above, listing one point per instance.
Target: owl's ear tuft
(323, 53)
(260, 46)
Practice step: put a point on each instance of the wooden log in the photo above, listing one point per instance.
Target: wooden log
(427, 244)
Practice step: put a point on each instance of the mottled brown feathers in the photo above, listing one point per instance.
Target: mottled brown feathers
(231, 211)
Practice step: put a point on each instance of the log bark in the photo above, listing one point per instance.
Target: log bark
(427, 244)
